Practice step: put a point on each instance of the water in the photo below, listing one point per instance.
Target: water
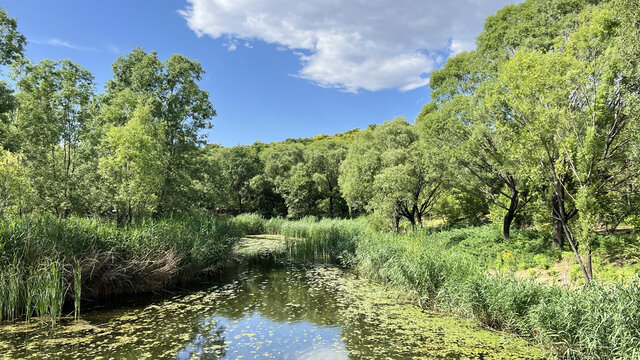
(290, 312)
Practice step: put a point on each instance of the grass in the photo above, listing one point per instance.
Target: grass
(46, 262)
(472, 272)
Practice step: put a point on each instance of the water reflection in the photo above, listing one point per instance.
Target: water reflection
(255, 336)
(269, 313)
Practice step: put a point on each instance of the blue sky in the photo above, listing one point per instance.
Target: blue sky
(275, 69)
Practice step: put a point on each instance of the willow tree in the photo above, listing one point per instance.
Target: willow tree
(12, 44)
(389, 170)
(323, 159)
(16, 192)
(575, 117)
(463, 126)
(54, 98)
(182, 108)
(132, 164)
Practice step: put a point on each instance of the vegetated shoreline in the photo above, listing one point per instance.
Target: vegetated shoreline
(596, 321)
(46, 260)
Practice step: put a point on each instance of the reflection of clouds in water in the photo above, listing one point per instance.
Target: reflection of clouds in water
(257, 337)
(317, 313)
(324, 354)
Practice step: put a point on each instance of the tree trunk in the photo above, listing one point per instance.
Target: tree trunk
(331, 205)
(558, 236)
(511, 214)
(589, 267)
(558, 231)
(586, 269)
(560, 214)
(396, 223)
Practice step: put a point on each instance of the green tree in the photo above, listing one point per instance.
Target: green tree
(574, 119)
(240, 164)
(390, 171)
(180, 105)
(54, 98)
(133, 164)
(16, 193)
(279, 160)
(463, 125)
(323, 159)
(12, 44)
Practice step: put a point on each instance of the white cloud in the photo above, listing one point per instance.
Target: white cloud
(55, 42)
(350, 45)
(64, 44)
(112, 48)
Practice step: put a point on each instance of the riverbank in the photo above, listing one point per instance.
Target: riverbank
(273, 311)
(48, 263)
(448, 271)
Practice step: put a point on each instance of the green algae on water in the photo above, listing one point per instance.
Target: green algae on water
(270, 313)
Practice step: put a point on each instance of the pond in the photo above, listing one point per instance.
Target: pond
(272, 312)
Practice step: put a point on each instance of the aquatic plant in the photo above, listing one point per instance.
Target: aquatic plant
(46, 262)
(77, 289)
(454, 270)
(250, 224)
(594, 322)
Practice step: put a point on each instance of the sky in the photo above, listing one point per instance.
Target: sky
(275, 69)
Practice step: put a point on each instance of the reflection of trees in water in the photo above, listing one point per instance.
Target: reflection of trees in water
(208, 342)
(185, 324)
(282, 295)
(279, 295)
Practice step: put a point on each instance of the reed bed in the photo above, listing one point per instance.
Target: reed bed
(599, 321)
(326, 240)
(46, 262)
(449, 269)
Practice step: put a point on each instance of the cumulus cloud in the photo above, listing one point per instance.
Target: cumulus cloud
(350, 45)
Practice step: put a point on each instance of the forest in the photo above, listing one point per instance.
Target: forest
(533, 138)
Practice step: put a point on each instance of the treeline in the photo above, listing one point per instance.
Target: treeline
(536, 127)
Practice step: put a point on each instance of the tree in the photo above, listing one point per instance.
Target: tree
(463, 125)
(390, 171)
(279, 160)
(240, 164)
(180, 105)
(54, 98)
(11, 52)
(15, 188)
(573, 114)
(323, 159)
(132, 165)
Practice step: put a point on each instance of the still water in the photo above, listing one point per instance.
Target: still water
(277, 312)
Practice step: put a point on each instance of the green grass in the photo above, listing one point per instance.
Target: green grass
(469, 271)
(46, 262)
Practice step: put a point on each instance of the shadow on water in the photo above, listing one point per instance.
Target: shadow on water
(271, 311)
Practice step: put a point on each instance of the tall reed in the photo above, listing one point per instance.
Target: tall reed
(448, 269)
(46, 262)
